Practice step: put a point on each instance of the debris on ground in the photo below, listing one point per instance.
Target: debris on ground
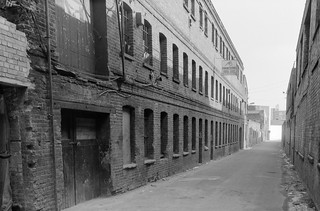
(294, 189)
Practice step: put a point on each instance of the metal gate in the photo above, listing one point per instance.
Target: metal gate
(80, 158)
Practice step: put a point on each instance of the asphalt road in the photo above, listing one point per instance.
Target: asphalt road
(248, 180)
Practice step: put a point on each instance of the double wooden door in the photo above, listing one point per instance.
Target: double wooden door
(80, 150)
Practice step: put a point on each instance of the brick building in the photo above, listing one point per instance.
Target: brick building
(260, 114)
(301, 128)
(133, 93)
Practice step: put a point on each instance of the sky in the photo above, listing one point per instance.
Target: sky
(265, 34)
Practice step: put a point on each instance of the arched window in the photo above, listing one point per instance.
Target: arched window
(127, 29)
(147, 43)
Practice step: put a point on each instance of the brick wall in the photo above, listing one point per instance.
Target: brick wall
(14, 62)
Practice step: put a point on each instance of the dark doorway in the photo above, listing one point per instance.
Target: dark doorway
(83, 134)
(4, 150)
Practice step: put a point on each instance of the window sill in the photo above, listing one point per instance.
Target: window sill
(206, 95)
(193, 17)
(186, 7)
(164, 74)
(318, 165)
(176, 155)
(216, 48)
(148, 66)
(130, 166)
(193, 151)
(206, 34)
(301, 156)
(206, 148)
(149, 161)
(176, 80)
(310, 159)
(186, 85)
(194, 89)
(129, 57)
(163, 159)
(200, 93)
(185, 153)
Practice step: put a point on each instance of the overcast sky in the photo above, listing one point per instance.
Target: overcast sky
(265, 34)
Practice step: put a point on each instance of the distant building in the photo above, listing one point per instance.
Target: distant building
(277, 116)
(260, 114)
(300, 131)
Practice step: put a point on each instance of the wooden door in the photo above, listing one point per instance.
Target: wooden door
(80, 158)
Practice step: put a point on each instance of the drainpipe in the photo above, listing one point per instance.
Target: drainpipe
(120, 26)
(51, 104)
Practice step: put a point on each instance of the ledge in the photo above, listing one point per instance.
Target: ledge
(193, 151)
(149, 161)
(185, 153)
(129, 57)
(164, 159)
(186, 7)
(310, 159)
(186, 85)
(176, 80)
(206, 148)
(176, 155)
(148, 66)
(130, 166)
(301, 156)
(194, 89)
(200, 92)
(192, 16)
(164, 74)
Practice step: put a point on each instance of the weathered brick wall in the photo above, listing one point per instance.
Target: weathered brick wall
(302, 133)
(33, 177)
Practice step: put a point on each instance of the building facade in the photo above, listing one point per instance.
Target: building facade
(135, 91)
(261, 114)
(301, 128)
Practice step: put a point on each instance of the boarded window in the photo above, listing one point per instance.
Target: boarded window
(194, 75)
(175, 62)
(128, 133)
(185, 69)
(148, 134)
(194, 135)
(185, 134)
(176, 134)
(163, 53)
(164, 134)
(200, 80)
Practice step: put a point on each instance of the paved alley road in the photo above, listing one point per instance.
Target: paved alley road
(248, 180)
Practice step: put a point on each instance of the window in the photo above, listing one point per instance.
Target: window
(128, 135)
(224, 96)
(220, 134)
(185, 69)
(223, 49)
(127, 29)
(220, 94)
(216, 38)
(200, 80)
(148, 134)
(206, 138)
(317, 22)
(221, 45)
(163, 54)
(216, 135)
(223, 134)
(82, 58)
(212, 34)
(217, 90)
(201, 16)
(212, 87)
(147, 43)
(194, 75)
(205, 23)
(164, 134)
(185, 134)
(175, 60)
(206, 84)
(194, 135)
(193, 7)
(175, 134)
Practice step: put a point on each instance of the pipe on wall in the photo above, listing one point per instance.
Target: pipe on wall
(51, 116)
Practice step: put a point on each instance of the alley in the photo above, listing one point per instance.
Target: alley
(248, 180)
